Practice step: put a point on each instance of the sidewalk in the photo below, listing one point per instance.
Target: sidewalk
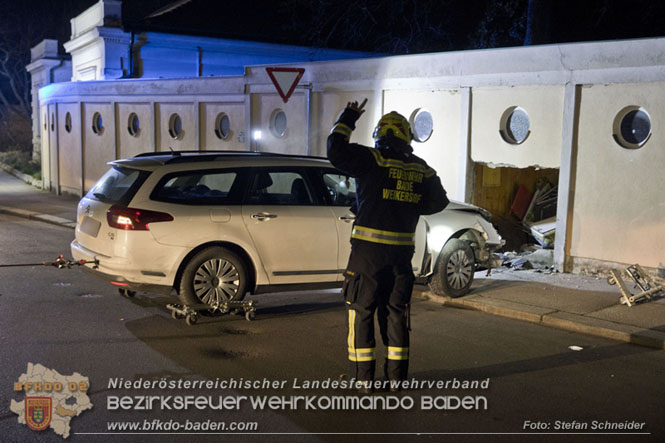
(23, 200)
(572, 302)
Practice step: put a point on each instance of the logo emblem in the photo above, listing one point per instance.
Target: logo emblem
(87, 209)
(38, 412)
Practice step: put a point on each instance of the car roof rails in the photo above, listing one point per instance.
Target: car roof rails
(177, 157)
(179, 153)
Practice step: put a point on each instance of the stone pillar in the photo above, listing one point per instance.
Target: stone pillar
(45, 67)
(98, 46)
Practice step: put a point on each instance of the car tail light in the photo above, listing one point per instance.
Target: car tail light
(132, 219)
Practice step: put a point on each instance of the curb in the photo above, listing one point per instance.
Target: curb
(39, 184)
(555, 318)
(46, 218)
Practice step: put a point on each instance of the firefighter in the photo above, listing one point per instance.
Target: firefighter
(393, 188)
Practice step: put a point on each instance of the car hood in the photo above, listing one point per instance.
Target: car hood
(465, 207)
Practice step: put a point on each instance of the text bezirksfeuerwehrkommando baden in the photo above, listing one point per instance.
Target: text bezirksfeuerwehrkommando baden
(235, 401)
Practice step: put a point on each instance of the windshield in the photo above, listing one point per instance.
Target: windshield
(118, 185)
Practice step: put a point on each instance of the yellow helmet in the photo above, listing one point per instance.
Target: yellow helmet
(396, 123)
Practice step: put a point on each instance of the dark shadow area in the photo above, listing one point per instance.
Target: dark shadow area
(536, 364)
(297, 308)
(262, 311)
(278, 348)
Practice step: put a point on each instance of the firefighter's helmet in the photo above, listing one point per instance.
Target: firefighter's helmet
(395, 123)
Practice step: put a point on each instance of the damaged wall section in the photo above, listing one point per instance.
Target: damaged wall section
(508, 193)
(516, 137)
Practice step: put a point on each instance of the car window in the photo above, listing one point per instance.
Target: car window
(118, 185)
(279, 188)
(199, 188)
(341, 189)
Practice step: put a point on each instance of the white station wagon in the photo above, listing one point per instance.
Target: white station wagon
(215, 226)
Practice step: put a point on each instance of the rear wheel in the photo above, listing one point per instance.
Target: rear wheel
(454, 269)
(213, 276)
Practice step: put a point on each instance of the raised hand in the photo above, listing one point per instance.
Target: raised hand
(359, 108)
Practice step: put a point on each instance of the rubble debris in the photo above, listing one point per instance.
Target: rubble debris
(544, 232)
(540, 216)
(542, 258)
(521, 202)
(520, 263)
(513, 232)
(531, 258)
(642, 281)
(543, 203)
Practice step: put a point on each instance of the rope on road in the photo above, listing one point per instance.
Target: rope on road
(60, 263)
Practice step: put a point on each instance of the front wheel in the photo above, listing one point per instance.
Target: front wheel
(453, 274)
(213, 276)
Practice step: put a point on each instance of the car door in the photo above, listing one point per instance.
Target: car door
(340, 192)
(290, 226)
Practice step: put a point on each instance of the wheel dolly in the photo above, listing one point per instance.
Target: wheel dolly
(191, 312)
(641, 279)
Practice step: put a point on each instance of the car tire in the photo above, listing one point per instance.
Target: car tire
(454, 270)
(214, 275)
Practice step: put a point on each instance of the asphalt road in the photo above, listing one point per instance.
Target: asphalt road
(68, 321)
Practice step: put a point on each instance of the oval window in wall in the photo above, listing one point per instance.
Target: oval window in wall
(222, 126)
(515, 125)
(68, 122)
(175, 126)
(133, 125)
(632, 127)
(422, 125)
(97, 123)
(278, 125)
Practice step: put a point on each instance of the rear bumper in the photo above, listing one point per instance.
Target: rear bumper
(119, 273)
(122, 283)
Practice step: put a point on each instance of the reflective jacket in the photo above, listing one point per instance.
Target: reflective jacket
(393, 186)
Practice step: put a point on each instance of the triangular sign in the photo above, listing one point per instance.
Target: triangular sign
(285, 80)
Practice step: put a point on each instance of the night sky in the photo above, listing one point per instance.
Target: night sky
(390, 26)
(381, 26)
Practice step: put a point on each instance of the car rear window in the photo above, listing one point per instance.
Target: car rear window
(212, 187)
(118, 185)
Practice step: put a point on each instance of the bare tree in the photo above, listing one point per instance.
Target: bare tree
(14, 56)
(501, 25)
(23, 24)
(395, 27)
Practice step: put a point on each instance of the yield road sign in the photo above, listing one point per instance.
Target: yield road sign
(285, 80)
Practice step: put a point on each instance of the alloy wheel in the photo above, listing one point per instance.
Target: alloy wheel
(216, 281)
(459, 269)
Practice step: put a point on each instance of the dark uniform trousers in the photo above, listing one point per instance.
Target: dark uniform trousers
(378, 278)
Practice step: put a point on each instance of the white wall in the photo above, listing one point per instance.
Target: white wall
(619, 203)
(69, 142)
(544, 106)
(264, 106)
(441, 150)
(616, 210)
(144, 140)
(237, 137)
(188, 138)
(99, 148)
